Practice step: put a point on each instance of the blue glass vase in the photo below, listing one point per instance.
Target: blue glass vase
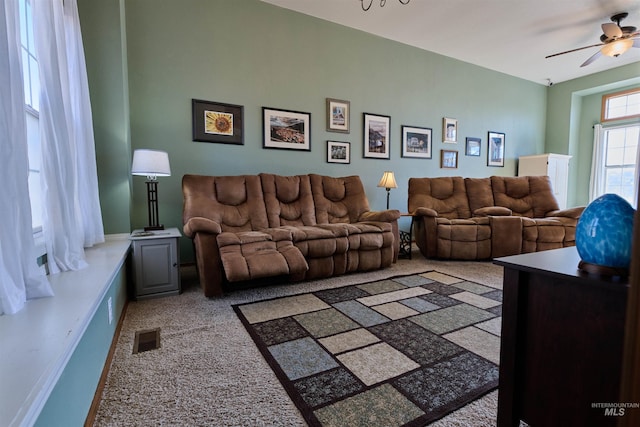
(604, 233)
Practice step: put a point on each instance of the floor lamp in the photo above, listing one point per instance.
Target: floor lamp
(152, 164)
(388, 181)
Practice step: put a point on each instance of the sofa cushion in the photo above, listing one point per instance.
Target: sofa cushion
(288, 200)
(528, 196)
(338, 200)
(254, 254)
(479, 193)
(445, 195)
(235, 203)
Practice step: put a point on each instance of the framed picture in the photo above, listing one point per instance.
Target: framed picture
(338, 115)
(473, 146)
(449, 159)
(290, 130)
(338, 152)
(376, 136)
(495, 149)
(416, 142)
(449, 130)
(217, 122)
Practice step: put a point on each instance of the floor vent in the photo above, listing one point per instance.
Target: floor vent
(146, 340)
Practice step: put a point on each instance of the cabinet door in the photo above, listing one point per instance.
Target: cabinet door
(156, 263)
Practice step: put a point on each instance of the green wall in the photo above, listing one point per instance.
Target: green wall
(573, 108)
(147, 59)
(254, 54)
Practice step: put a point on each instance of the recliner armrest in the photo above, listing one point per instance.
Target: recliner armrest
(425, 212)
(493, 211)
(569, 213)
(389, 215)
(200, 224)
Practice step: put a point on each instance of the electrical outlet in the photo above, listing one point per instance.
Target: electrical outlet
(110, 309)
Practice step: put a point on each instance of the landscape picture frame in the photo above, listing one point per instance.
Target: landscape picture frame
(473, 146)
(338, 115)
(417, 142)
(376, 136)
(286, 129)
(217, 122)
(449, 130)
(338, 152)
(449, 159)
(496, 146)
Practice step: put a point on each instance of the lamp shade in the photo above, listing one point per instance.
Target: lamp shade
(151, 163)
(617, 47)
(388, 180)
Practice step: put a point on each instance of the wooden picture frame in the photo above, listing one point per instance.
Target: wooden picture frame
(449, 159)
(495, 149)
(449, 130)
(473, 146)
(416, 142)
(286, 129)
(338, 152)
(217, 122)
(376, 136)
(338, 115)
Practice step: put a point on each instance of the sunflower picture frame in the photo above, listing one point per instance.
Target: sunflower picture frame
(217, 122)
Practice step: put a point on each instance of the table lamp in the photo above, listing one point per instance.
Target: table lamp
(388, 181)
(152, 164)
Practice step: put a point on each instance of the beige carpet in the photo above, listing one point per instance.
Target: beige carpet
(208, 371)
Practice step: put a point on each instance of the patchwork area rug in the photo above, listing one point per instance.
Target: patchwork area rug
(402, 351)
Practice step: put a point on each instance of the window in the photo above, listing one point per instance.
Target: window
(621, 105)
(621, 162)
(31, 80)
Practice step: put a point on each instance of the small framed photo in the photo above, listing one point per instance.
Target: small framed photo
(473, 146)
(217, 122)
(376, 136)
(449, 159)
(338, 115)
(416, 142)
(449, 130)
(289, 130)
(495, 149)
(338, 152)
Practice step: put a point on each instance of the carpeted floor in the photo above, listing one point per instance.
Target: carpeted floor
(395, 352)
(208, 371)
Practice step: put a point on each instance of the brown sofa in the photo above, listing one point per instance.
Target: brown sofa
(482, 218)
(300, 227)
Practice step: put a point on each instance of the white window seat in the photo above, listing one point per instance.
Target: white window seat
(37, 342)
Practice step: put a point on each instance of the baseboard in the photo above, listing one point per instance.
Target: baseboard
(95, 404)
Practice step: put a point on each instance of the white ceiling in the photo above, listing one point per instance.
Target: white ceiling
(509, 36)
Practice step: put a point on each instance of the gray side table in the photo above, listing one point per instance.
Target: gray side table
(156, 263)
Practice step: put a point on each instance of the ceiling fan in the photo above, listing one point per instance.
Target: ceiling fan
(615, 41)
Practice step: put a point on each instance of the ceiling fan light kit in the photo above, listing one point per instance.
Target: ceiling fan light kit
(615, 41)
(617, 47)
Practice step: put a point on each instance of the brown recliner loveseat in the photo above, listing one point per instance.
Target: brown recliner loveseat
(483, 218)
(300, 227)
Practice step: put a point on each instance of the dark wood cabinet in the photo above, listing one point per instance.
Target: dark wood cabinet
(562, 341)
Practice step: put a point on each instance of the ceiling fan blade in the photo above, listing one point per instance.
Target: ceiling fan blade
(574, 50)
(593, 57)
(636, 43)
(611, 30)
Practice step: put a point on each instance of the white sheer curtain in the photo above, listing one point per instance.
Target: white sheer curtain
(20, 277)
(72, 219)
(596, 181)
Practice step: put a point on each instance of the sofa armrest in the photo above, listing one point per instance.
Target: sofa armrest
(425, 212)
(389, 215)
(200, 224)
(493, 211)
(569, 213)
